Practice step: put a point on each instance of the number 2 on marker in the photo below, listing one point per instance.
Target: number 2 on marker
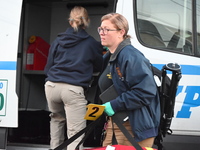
(94, 111)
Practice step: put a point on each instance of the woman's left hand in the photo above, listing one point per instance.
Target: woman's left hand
(108, 109)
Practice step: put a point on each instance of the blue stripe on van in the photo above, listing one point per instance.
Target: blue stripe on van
(185, 69)
(8, 65)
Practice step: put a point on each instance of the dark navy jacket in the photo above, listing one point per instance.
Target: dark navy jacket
(137, 90)
(73, 57)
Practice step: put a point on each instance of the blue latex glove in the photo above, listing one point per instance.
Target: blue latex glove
(108, 109)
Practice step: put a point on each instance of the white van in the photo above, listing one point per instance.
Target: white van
(166, 31)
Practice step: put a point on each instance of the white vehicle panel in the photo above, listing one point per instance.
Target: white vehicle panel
(10, 13)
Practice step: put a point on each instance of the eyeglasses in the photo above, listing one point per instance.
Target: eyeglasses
(105, 31)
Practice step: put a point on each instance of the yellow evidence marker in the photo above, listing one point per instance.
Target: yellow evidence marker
(94, 111)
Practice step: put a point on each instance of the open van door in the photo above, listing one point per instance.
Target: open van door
(10, 11)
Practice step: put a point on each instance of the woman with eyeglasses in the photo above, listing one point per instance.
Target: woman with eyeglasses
(73, 57)
(130, 73)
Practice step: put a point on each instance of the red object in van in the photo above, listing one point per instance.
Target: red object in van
(37, 53)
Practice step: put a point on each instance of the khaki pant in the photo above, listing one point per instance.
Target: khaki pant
(121, 139)
(68, 105)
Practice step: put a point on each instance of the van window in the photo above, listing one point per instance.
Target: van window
(166, 25)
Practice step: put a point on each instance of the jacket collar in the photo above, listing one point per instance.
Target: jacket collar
(119, 49)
